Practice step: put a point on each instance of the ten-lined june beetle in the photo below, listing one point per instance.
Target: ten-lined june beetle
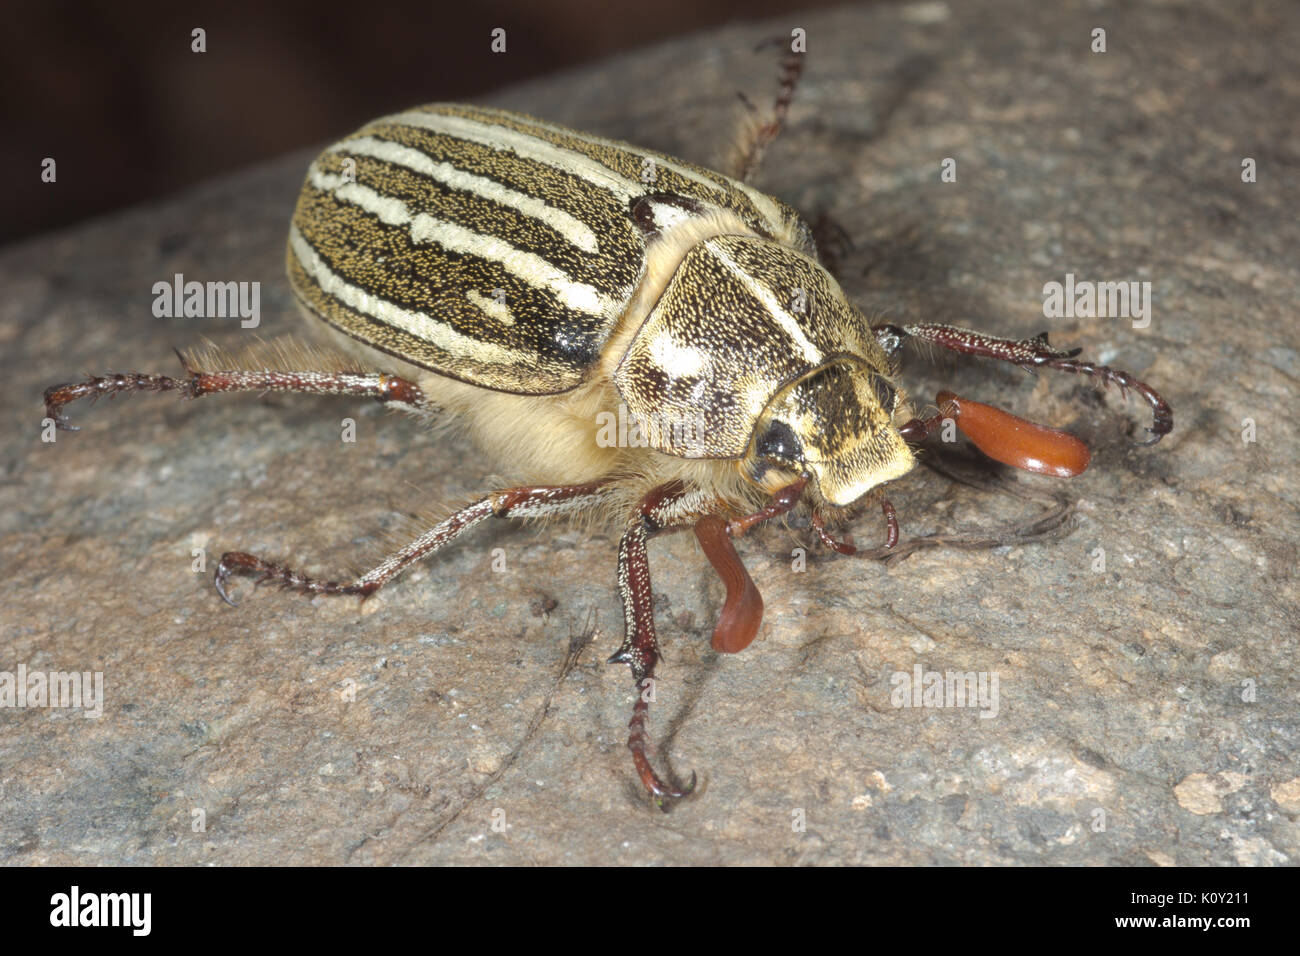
(526, 280)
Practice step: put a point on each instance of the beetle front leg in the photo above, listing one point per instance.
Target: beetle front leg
(198, 381)
(669, 507)
(541, 502)
(640, 651)
(673, 507)
(1029, 354)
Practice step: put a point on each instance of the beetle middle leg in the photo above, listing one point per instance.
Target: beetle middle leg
(536, 502)
(1028, 354)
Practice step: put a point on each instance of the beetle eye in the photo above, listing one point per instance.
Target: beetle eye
(886, 394)
(778, 442)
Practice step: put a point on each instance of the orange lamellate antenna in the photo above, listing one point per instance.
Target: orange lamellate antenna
(742, 611)
(1014, 441)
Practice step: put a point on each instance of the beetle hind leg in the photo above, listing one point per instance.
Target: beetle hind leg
(267, 367)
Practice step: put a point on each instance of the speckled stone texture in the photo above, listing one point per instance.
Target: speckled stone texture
(1145, 654)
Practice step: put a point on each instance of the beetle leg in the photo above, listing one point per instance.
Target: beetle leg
(916, 430)
(782, 501)
(542, 502)
(754, 136)
(891, 522)
(819, 525)
(640, 651)
(668, 507)
(846, 546)
(1029, 354)
(389, 389)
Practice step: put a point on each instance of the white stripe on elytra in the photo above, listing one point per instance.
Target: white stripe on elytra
(531, 268)
(789, 324)
(762, 202)
(668, 217)
(491, 307)
(572, 229)
(524, 145)
(422, 326)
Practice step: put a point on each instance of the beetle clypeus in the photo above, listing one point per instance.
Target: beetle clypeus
(524, 279)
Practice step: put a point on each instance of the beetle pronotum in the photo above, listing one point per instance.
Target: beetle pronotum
(523, 279)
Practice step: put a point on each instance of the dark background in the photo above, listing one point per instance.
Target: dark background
(114, 94)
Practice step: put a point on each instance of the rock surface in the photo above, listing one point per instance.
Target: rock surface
(1147, 706)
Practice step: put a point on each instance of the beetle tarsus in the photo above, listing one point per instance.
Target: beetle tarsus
(96, 387)
(637, 742)
(829, 540)
(261, 571)
(1162, 415)
(891, 522)
(756, 136)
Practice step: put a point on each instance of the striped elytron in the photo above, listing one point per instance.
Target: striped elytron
(529, 280)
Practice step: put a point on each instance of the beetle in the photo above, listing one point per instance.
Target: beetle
(526, 280)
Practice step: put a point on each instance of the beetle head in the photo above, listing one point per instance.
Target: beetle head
(836, 425)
